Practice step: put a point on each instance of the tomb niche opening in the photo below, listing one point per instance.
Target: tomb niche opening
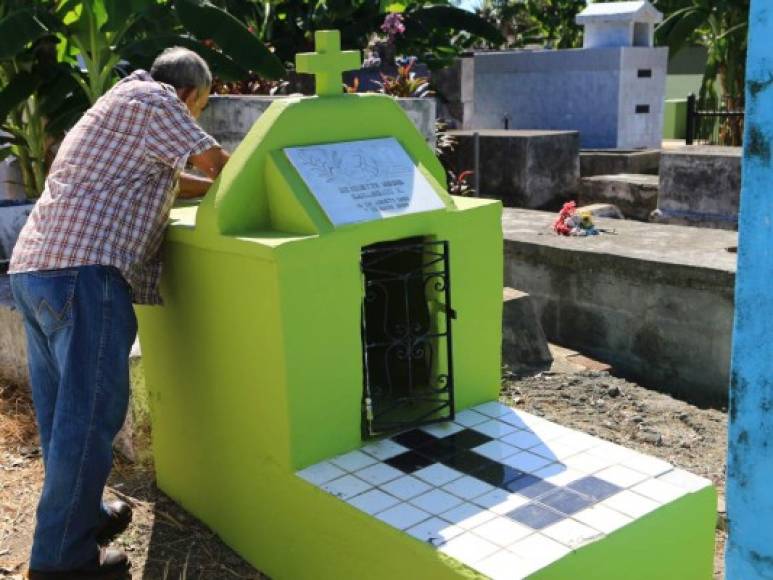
(406, 335)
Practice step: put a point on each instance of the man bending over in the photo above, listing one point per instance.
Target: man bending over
(88, 251)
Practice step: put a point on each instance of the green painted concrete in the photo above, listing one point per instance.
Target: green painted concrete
(675, 542)
(675, 119)
(254, 365)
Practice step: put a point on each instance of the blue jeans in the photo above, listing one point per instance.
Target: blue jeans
(80, 327)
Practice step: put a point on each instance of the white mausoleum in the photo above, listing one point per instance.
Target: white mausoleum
(612, 90)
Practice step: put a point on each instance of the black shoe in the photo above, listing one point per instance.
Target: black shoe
(111, 564)
(119, 518)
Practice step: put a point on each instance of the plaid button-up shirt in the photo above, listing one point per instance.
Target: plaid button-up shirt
(111, 187)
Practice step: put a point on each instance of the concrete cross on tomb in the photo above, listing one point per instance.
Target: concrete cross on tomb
(328, 62)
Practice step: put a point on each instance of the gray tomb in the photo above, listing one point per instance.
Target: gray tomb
(612, 90)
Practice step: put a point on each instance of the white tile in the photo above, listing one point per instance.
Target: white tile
(384, 449)
(492, 409)
(630, 504)
(580, 441)
(504, 565)
(544, 450)
(403, 516)
(496, 450)
(437, 474)
(539, 550)
(373, 501)
(526, 461)
(649, 465)
(442, 429)
(320, 473)
(571, 533)
(436, 501)
(467, 515)
(521, 439)
(502, 531)
(555, 449)
(494, 428)
(468, 418)
(621, 476)
(617, 453)
(686, 480)
(379, 473)
(468, 548)
(513, 417)
(353, 461)
(405, 487)
(602, 518)
(587, 463)
(660, 491)
(435, 531)
(346, 486)
(500, 501)
(559, 474)
(468, 487)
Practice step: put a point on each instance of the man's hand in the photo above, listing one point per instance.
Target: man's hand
(193, 186)
(210, 162)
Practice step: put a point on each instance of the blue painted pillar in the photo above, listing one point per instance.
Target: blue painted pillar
(749, 551)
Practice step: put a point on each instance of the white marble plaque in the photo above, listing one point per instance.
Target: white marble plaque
(358, 181)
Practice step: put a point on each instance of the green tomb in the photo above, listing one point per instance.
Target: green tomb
(323, 377)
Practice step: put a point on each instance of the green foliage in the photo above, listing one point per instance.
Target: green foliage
(719, 25)
(546, 22)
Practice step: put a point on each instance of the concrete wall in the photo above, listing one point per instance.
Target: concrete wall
(522, 168)
(594, 91)
(228, 118)
(13, 345)
(654, 301)
(700, 185)
(636, 128)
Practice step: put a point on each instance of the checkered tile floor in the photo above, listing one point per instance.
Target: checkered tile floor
(502, 491)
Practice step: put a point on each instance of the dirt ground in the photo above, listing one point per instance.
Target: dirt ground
(166, 543)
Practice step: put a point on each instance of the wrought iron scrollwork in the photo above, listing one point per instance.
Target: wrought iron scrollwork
(406, 335)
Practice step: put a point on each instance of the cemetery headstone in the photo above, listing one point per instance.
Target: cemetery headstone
(323, 379)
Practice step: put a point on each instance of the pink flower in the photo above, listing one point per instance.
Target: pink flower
(393, 25)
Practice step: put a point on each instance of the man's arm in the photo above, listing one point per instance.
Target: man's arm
(210, 162)
(193, 185)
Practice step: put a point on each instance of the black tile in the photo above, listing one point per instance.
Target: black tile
(467, 462)
(414, 438)
(439, 449)
(595, 488)
(498, 474)
(566, 501)
(535, 516)
(409, 461)
(469, 438)
(530, 486)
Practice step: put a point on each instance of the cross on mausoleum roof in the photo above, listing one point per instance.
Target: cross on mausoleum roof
(328, 62)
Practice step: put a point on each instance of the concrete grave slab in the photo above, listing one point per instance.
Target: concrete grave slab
(613, 161)
(522, 168)
(636, 196)
(700, 186)
(655, 301)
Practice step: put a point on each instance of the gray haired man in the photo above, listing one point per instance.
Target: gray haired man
(91, 248)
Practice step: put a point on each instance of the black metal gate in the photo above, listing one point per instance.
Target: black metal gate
(406, 335)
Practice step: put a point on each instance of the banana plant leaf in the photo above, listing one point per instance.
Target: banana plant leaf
(142, 53)
(20, 87)
(443, 16)
(119, 12)
(17, 30)
(206, 21)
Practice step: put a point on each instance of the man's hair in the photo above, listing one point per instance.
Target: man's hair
(181, 68)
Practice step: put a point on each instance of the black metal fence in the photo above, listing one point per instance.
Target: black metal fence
(715, 121)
